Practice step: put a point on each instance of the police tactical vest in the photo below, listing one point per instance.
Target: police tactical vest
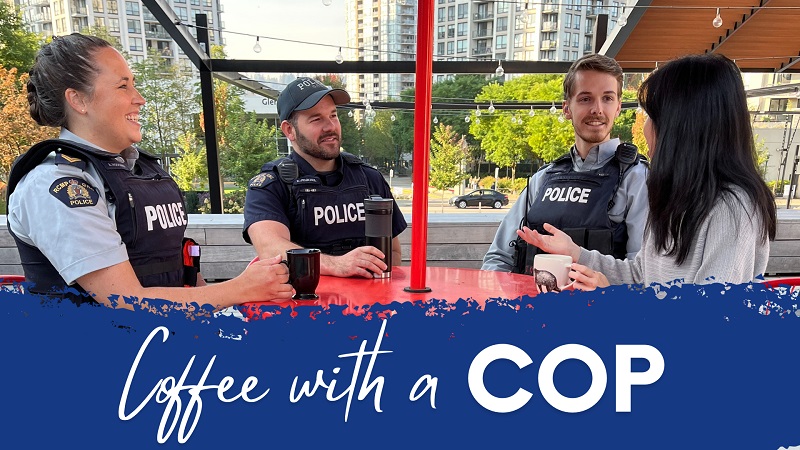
(150, 214)
(577, 203)
(330, 218)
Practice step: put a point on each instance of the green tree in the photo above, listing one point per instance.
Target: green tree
(190, 169)
(506, 142)
(351, 133)
(623, 126)
(250, 144)
(228, 104)
(448, 151)
(459, 89)
(171, 108)
(379, 148)
(18, 46)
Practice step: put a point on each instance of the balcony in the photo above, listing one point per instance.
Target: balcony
(150, 34)
(41, 17)
(481, 33)
(550, 26)
(549, 45)
(591, 12)
(483, 16)
(480, 51)
(550, 9)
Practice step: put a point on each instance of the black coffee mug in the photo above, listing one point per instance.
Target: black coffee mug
(303, 264)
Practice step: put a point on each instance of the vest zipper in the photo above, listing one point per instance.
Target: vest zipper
(135, 224)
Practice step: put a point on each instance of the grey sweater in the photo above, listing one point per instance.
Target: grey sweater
(728, 247)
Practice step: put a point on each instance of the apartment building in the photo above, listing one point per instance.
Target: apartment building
(380, 30)
(132, 23)
(542, 30)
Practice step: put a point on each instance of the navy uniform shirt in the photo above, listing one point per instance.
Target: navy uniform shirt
(268, 198)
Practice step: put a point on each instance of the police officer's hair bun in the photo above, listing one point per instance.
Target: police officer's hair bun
(66, 62)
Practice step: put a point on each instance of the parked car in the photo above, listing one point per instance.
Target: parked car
(484, 197)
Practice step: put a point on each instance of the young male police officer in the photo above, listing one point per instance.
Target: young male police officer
(315, 198)
(596, 193)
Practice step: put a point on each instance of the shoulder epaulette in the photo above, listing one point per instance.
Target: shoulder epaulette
(74, 161)
(351, 158)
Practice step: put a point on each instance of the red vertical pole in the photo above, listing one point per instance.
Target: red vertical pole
(422, 144)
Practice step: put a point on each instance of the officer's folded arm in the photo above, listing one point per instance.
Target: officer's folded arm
(272, 238)
(265, 280)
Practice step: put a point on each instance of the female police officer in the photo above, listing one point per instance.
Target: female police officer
(91, 212)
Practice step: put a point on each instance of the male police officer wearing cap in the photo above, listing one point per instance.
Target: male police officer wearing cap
(315, 198)
(596, 193)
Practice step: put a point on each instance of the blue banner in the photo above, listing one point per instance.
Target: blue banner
(683, 366)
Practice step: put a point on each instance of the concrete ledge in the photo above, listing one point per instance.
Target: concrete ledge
(454, 240)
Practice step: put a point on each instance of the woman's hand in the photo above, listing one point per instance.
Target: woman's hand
(558, 244)
(587, 279)
(267, 279)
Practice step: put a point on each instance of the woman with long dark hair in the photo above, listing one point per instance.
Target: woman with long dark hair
(711, 215)
(92, 216)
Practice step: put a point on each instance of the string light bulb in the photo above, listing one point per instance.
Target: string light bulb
(327, 2)
(339, 57)
(477, 120)
(623, 19)
(435, 119)
(499, 72)
(257, 47)
(350, 113)
(531, 112)
(717, 22)
(466, 119)
(514, 120)
(393, 117)
(477, 111)
(561, 118)
(553, 109)
(491, 107)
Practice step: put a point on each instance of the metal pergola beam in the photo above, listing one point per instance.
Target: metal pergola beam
(487, 67)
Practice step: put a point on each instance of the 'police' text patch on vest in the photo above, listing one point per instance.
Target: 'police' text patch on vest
(169, 215)
(349, 212)
(74, 192)
(567, 194)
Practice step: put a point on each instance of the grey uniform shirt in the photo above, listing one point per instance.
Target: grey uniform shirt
(77, 240)
(630, 205)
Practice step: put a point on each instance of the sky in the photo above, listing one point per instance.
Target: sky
(298, 20)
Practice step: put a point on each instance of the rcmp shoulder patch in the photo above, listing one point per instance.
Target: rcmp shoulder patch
(74, 192)
(70, 161)
(262, 179)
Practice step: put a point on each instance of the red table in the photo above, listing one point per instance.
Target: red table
(446, 283)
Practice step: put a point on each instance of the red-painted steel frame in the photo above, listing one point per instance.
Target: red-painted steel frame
(422, 132)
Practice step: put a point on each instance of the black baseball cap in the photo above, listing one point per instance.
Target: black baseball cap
(303, 93)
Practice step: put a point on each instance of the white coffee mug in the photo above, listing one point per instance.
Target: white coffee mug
(551, 272)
